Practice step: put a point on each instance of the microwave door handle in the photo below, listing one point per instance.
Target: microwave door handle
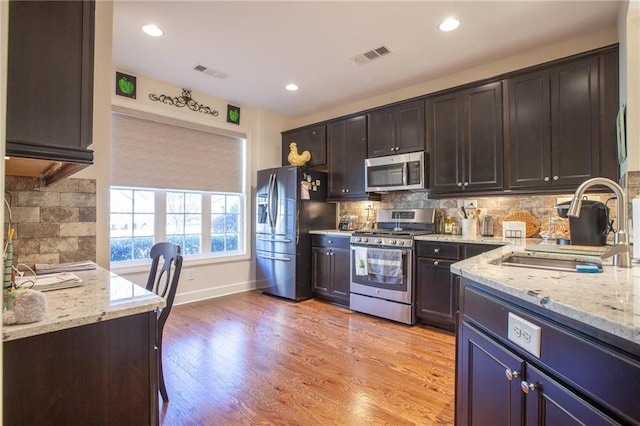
(405, 173)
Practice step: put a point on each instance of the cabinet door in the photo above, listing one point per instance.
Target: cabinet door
(443, 124)
(381, 133)
(337, 164)
(409, 127)
(551, 403)
(575, 107)
(529, 143)
(485, 396)
(321, 270)
(354, 155)
(50, 80)
(341, 276)
(482, 137)
(312, 139)
(435, 291)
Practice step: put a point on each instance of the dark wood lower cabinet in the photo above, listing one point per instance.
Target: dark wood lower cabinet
(436, 287)
(99, 374)
(576, 380)
(330, 268)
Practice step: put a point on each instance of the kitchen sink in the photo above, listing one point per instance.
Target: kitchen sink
(554, 263)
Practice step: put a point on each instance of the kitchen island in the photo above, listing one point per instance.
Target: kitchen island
(91, 361)
(554, 347)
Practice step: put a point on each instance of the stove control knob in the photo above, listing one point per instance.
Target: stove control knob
(400, 243)
(358, 239)
(378, 240)
(392, 242)
(365, 239)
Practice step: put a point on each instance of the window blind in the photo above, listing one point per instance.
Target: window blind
(152, 154)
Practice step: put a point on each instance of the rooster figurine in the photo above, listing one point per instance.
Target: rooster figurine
(296, 159)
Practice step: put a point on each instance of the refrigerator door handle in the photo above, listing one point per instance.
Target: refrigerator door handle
(274, 240)
(270, 200)
(287, 259)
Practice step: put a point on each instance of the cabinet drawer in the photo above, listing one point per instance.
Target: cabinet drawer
(330, 241)
(471, 250)
(600, 372)
(439, 250)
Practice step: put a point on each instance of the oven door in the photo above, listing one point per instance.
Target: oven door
(389, 283)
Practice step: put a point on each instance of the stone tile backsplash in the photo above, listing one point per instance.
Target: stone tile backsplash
(540, 206)
(53, 224)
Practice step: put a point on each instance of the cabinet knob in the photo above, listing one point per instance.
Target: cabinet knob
(346, 190)
(343, 190)
(436, 263)
(392, 149)
(546, 178)
(526, 387)
(459, 183)
(555, 178)
(397, 148)
(330, 241)
(466, 184)
(510, 374)
(327, 254)
(436, 250)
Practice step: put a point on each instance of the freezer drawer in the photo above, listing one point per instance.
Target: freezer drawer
(276, 243)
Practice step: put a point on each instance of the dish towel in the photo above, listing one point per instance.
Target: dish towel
(385, 266)
(360, 259)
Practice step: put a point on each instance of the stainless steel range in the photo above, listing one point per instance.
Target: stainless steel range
(382, 264)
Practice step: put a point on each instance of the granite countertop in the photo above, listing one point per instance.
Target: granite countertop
(460, 239)
(608, 301)
(102, 296)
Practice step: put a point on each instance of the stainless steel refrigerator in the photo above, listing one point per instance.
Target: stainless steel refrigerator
(290, 203)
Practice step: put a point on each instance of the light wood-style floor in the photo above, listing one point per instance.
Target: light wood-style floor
(254, 359)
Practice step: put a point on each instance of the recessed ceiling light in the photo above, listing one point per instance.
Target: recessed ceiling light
(152, 30)
(449, 24)
(292, 87)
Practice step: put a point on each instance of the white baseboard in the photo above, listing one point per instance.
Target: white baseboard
(210, 293)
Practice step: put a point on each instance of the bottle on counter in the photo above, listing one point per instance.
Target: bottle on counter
(448, 225)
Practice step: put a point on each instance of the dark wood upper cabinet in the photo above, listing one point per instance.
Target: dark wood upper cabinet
(312, 139)
(396, 129)
(465, 140)
(562, 124)
(347, 150)
(50, 81)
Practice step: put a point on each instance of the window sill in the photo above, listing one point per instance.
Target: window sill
(188, 261)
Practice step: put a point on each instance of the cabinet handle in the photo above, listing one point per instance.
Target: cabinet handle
(526, 387)
(511, 374)
(555, 178)
(546, 178)
(436, 263)
(436, 250)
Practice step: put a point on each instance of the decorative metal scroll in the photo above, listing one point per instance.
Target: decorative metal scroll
(184, 101)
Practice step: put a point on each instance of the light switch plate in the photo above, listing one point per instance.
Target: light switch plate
(524, 334)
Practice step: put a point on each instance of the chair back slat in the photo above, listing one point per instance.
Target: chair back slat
(164, 275)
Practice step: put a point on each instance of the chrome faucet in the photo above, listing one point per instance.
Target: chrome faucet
(620, 249)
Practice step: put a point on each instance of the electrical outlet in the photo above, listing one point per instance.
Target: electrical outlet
(524, 334)
(190, 274)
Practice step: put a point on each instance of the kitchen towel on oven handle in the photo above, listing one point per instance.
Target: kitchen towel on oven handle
(360, 258)
(385, 265)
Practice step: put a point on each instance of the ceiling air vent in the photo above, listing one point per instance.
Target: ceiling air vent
(209, 71)
(369, 56)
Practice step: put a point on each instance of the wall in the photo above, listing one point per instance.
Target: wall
(55, 223)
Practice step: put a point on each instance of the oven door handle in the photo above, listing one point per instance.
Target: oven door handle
(404, 252)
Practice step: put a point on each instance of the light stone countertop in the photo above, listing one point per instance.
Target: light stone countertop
(473, 240)
(608, 301)
(102, 296)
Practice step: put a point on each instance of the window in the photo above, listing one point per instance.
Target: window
(175, 181)
(141, 217)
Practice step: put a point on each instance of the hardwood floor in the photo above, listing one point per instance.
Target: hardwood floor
(253, 359)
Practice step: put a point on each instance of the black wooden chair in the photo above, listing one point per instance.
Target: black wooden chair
(164, 283)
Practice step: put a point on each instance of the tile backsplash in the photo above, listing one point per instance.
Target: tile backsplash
(540, 206)
(53, 224)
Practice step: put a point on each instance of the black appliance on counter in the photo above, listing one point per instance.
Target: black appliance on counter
(591, 227)
(290, 203)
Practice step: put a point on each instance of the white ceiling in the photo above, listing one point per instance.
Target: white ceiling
(263, 45)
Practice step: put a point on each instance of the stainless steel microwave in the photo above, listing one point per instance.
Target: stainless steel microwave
(396, 172)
